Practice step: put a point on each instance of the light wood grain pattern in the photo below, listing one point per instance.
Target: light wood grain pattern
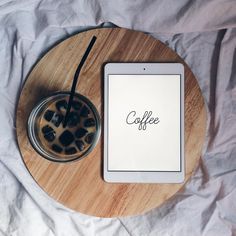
(79, 185)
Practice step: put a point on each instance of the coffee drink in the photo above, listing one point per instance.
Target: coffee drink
(68, 143)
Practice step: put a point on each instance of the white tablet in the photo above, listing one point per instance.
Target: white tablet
(144, 123)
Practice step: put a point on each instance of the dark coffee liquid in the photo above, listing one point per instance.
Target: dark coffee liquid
(76, 137)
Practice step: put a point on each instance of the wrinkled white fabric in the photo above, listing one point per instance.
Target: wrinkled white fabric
(203, 33)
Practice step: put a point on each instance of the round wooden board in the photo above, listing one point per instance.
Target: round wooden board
(79, 185)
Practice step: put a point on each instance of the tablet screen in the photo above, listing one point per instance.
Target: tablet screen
(144, 123)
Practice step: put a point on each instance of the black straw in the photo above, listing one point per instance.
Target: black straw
(73, 87)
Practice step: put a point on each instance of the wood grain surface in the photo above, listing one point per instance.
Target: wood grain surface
(79, 185)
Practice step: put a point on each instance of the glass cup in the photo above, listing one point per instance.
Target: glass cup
(56, 143)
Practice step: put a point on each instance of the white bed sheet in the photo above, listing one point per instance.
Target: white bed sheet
(203, 33)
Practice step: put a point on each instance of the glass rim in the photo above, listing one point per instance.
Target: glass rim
(34, 141)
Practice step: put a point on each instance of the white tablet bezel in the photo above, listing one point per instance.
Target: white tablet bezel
(147, 176)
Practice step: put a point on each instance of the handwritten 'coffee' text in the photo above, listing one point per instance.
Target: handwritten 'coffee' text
(142, 121)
